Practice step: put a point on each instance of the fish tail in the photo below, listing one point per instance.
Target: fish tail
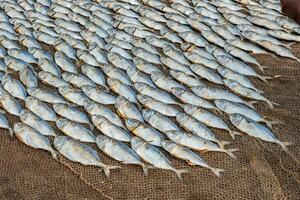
(2, 111)
(217, 171)
(270, 123)
(146, 168)
(11, 132)
(271, 104)
(54, 154)
(223, 143)
(264, 78)
(233, 133)
(290, 44)
(251, 104)
(230, 152)
(273, 55)
(179, 172)
(107, 169)
(262, 67)
(284, 145)
(297, 59)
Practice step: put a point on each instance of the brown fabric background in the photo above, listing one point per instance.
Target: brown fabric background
(262, 170)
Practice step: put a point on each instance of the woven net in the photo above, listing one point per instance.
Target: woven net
(262, 170)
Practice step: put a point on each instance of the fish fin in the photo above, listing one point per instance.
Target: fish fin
(270, 123)
(223, 143)
(217, 171)
(271, 104)
(297, 59)
(146, 168)
(251, 104)
(107, 169)
(262, 67)
(277, 76)
(191, 163)
(54, 154)
(11, 132)
(284, 145)
(264, 78)
(230, 152)
(179, 172)
(233, 133)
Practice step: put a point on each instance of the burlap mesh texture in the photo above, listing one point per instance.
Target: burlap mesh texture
(262, 170)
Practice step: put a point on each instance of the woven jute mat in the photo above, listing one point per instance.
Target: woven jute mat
(262, 170)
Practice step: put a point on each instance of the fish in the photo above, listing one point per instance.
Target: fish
(122, 44)
(144, 131)
(231, 108)
(64, 62)
(197, 143)
(143, 66)
(206, 73)
(109, 129)
(164, 82)
(122, 89)
(40, 108)
(158, 121)
(99, 95)
(72, 113)
(146, 55)
(75, 130)
(91, 37)
(34, 121)
(10, 104)
(119, 61)
(29, 42)
(49, 66)
(175, 65)
(153, 155)
(201, 60)
(14, 87)
(209, 119)
(79, 152)
(51, 80)
(185, 79)
(4, 123)
(40, 53)
(127, 110)
(73, 95)
(61, 46)
(191, 124)
(93, 108)
(22, 55)
(163, 108)
(28, 77)
(254, 129)
(171, 52)
(46, 95)
(77, 80)
(33, 138)
(95, 74)
(120, 152)
(116, 73)
(189, 156)
(98, 53)
(155, 93)
(137, 76)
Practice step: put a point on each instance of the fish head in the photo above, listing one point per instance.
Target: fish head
(140, 86)
(236, 119)
(137, 50)
(138, 61)
(222, 59)
(88, 89)
(186, 46)
(131, 124)
(175, 135)
(190, 109)
(19, 127)
(81, 52)
(58, 42)
(210, 48)
(129, 30)
(148, 114)
(111, 31)
(60, 141)
(175, 73)
(230, 83)
(177, 91)
(112, 56)
(199, 90)
(108, 39)
(221, 104)
(65, 89)
(112, 83)
(144, 99)
(102, 140)
(222, 70)
(182, 117)
(155, 75)
(121, 101)
(168, 145)
(247, 34)
(136, 142)
(32, 50)
(151, 39)
(131, 71)
(116, 23)
(89, 105)
(163, 31)
(61, 122)
(98, 120)
(137, 41)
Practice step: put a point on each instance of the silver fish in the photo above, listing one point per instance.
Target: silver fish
(99, 95)
(122, 89)
(51, 80)
(73, 95)
(36, 122)
(80, 152)
(22, 55)
(153, 155)
(75, 130)
(4, 123)
(158, 121)
(49, 66)
(109, 129)
(185, 79)
(28, 77)
(206, 73)
(144, 66)
(46, 96)
(95, 74)
(14, 87)
(77, 80)
(137, 76)
(127, 110)
(33, 138)
(10, 104)
(164, 82)
(40, 108)
(64, 62)
(116, 73)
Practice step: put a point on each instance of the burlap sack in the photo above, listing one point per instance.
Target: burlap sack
(262, 170)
